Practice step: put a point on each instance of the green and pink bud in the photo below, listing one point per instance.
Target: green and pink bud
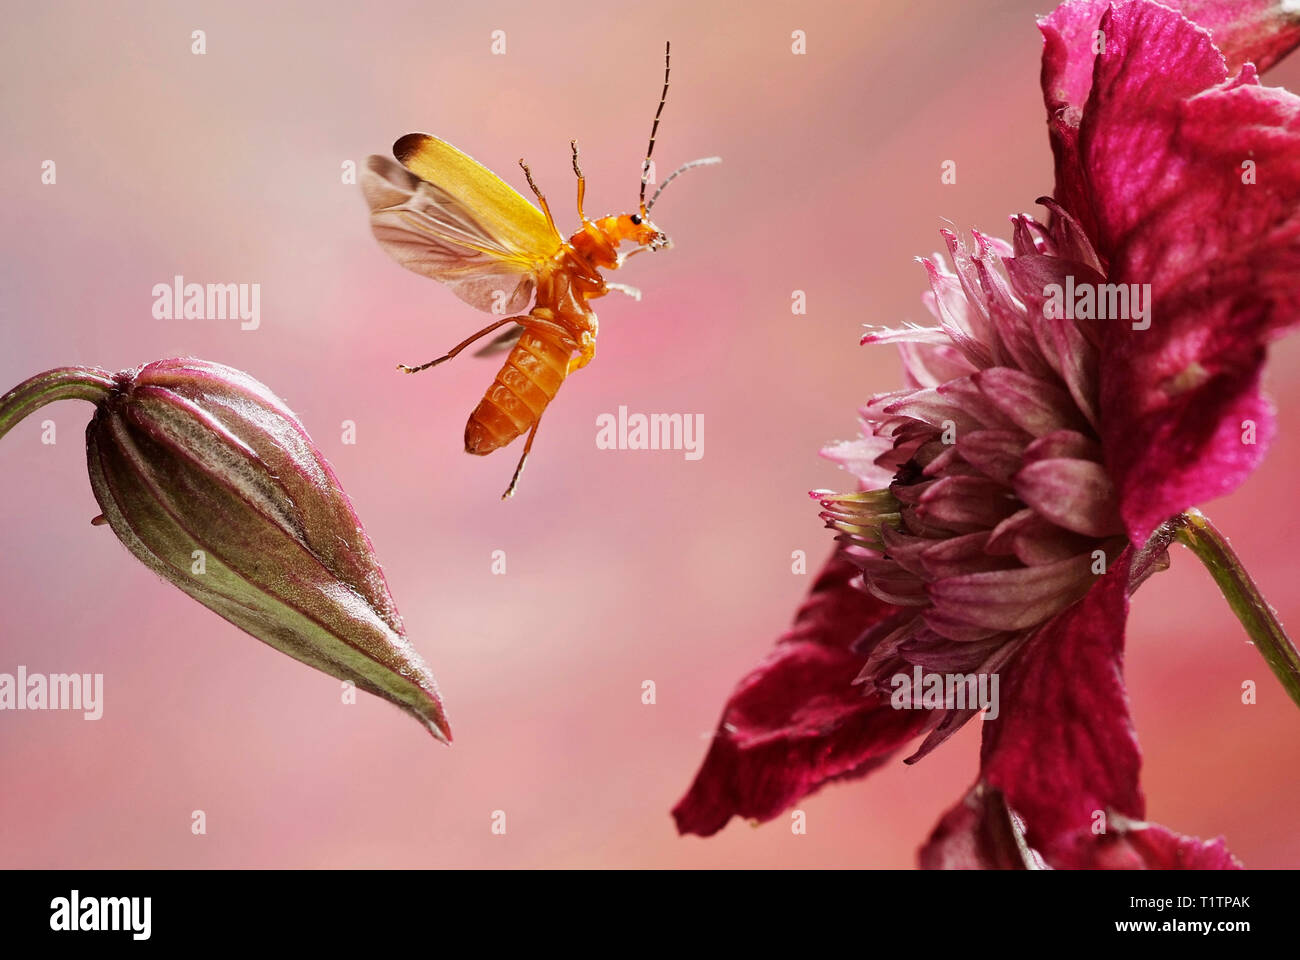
(213, 483)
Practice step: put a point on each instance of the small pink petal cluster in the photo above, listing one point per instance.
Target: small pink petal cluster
(1084, 386)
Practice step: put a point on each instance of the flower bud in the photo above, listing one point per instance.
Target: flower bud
(211, 481)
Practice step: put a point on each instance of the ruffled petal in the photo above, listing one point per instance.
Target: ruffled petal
(798, 720)
(979, 833)
(1062, 746)
(1068, 36)
(1142, 846)
(983, 833)
(1259, 31)
(1171, 147)
(1059, 765)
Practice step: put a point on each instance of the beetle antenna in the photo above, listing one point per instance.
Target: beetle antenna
(702, 162)
(654, 128)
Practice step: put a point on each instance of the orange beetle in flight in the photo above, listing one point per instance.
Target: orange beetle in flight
(444, 215)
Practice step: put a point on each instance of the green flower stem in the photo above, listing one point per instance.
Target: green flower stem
(61, 383)
(1200, 536)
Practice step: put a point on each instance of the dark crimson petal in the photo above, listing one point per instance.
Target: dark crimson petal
(1063, 750)
(1063, 746)
(798, 720)
(1164, 138)
(980, 833)
(1143, 846)
(983, 833)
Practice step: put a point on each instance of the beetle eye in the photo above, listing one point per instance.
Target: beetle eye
(636, 220)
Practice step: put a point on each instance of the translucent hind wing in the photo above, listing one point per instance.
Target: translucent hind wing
(428, 231)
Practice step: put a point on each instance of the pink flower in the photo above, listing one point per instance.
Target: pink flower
(1084, 385)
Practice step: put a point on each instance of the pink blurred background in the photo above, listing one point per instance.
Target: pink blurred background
(622, 566)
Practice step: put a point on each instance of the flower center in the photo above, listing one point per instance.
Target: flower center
(984, 508)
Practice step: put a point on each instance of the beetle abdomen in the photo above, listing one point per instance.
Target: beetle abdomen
(528, 381)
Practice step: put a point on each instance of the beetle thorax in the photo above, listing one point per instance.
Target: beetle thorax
(597, 241)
